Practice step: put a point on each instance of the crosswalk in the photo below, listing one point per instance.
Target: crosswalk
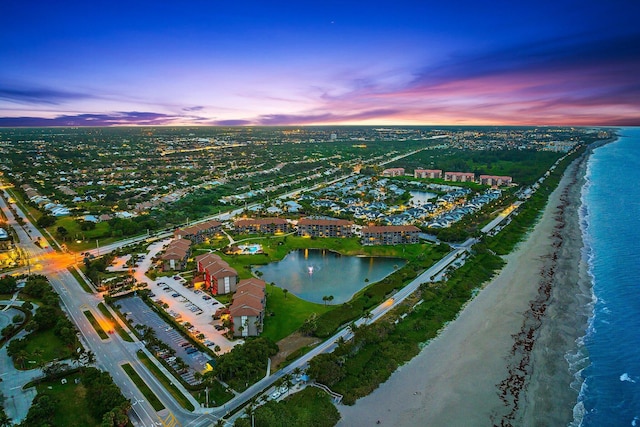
(170, 421)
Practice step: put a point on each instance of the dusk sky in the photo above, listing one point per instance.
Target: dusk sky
(95, 63)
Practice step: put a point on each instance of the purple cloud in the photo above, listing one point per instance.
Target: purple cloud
(196, 108)
(555, 55)
(302, 119)
(40, 95)
(113, 119)
(232, 122)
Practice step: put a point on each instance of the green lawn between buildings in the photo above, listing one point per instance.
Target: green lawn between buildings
(289, 313)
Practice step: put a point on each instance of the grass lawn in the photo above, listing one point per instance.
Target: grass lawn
(309, 407)
(166, 382)
(71, 402)
(96, 325)
(290, 312)
(49, 344)
(146, 391)
(30, 210)
(87, 238)
(123, 334)
(218, 395)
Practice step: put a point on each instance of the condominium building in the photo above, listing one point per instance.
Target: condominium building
(176, 255)
(393, 172)
(494, 180)
(261, 225)
(218, 276)
(459, 176)
(390, 235)
(427, 173)
(197, 233)
(326, 227)
(247, 308)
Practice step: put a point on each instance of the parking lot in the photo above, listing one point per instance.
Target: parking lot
(188, 305)
(185, 304)
(139, 313)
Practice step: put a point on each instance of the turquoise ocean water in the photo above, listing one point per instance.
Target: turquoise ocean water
(608, 366)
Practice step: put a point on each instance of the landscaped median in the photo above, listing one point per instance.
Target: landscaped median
(96, 325)
(80, 279)
(166, 382)
(144, 389)
(123, 334)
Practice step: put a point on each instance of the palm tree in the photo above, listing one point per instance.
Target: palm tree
(288, 382)
(89, 358)
(368, 316)
(285, 291)
(77, 355)
(297, 371)
(20, 357)
(5, 421)
(325, 299)
(251, 408)
(37, 354)
(330, 298)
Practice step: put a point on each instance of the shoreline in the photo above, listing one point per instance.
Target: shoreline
(559, 355)
(503, 360)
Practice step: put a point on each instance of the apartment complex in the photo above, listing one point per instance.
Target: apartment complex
(247, 308)
(217, 275)
(459, 176)
(261, 225)
(393, 172)
(390, 235)
(198, 233)
(176, 255)
(325, 227)
(495, 180)
(427, 173)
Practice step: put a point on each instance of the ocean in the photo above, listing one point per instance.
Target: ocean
(609, 364)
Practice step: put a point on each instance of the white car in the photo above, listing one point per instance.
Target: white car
(275, 395)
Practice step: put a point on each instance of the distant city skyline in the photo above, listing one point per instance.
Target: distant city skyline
(326, 63)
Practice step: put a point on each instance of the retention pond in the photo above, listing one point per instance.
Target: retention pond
(312, 274)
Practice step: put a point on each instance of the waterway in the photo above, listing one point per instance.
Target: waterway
(314, 273)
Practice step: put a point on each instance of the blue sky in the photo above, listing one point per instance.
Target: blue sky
(296, 63)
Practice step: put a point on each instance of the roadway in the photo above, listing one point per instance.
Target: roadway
(112, 352)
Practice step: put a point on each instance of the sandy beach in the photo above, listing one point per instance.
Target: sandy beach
(502, 361)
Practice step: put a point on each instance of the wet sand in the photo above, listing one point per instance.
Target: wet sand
(502, 361)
